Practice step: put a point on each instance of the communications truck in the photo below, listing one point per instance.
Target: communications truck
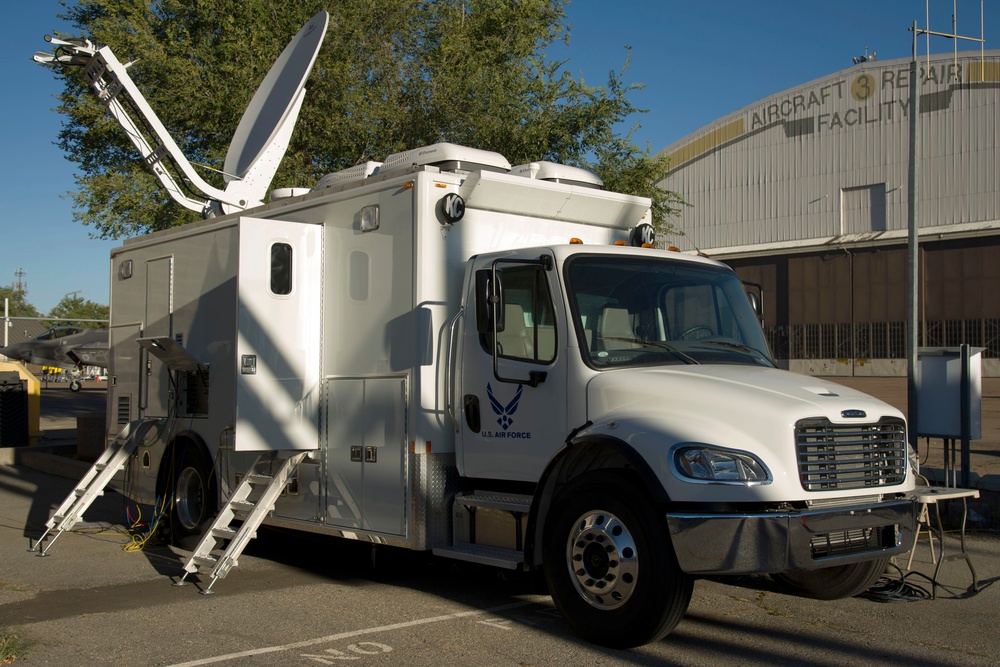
(491, 363)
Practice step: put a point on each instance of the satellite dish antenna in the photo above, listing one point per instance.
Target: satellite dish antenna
(262, 136)
(258, 145)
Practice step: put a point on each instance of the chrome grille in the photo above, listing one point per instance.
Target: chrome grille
(850, 456)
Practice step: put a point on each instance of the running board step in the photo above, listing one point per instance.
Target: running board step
(489, 528)
(509, 502)
(508, 559)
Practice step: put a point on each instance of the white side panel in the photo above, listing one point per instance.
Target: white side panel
(278, 350)
(366, 458)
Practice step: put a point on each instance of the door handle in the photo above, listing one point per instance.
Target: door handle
(471, 409)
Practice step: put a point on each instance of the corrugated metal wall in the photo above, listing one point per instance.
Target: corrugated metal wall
(790, 174)
(835, 305)
(805, 192)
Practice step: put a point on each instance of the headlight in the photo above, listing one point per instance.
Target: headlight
(714, 464)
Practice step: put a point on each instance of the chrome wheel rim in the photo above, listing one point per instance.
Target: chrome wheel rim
(189, 502)
(603, 560)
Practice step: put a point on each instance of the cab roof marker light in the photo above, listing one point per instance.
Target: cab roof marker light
(575, 241)
(620, 242)
(673, 248)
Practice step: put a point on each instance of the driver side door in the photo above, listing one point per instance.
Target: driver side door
(512, 382)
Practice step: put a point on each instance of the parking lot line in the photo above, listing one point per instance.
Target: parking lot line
(356, 633)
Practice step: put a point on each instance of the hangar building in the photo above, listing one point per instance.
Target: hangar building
(805, 192)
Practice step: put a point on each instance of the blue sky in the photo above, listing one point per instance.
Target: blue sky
(699, 61)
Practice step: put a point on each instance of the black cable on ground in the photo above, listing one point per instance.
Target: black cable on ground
(894, 587)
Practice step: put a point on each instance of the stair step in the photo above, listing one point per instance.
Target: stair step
(242, 505)
(224, 532)
(92, 484)
(239, 536)
(207, 561)
(508, 559)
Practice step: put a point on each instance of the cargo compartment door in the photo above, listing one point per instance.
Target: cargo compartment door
(278, 348)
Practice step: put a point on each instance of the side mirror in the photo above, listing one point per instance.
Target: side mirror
(755, 293)
(754, 302)
(489, 301)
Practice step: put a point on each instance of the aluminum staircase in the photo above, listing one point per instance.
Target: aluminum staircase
(252, 501)
(93, 483)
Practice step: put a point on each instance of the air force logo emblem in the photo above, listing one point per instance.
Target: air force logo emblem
(505, 416)
(505, 413)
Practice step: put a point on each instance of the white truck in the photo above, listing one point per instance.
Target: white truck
(445, 353)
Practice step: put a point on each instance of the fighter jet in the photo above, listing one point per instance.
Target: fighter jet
(65, 346)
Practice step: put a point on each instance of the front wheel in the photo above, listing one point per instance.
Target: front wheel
(833, 583)
(609, 563)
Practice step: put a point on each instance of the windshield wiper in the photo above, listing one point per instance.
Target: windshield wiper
(649, 343)
(752, 352)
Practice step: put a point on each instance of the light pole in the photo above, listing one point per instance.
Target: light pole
(913, 273)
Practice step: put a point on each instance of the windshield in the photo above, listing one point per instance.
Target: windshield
(631, 311)
(59, 332)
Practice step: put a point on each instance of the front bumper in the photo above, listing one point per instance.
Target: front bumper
(757, 543)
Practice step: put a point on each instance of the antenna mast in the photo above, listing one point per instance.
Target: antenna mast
(253, 155)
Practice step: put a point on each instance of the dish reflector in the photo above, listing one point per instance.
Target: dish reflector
(276, 101)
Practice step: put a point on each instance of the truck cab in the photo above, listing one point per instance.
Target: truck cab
(636, 388)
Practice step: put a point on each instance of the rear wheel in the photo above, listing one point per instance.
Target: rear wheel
(833, 583)
(193, 492)
(609, 563)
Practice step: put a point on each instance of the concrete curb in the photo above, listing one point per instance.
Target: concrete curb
(56, 459)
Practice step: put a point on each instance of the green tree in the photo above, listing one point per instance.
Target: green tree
(72, 306)
(392, 75)
(17, 303)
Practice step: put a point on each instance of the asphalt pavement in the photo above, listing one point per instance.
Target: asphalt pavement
(298, 599)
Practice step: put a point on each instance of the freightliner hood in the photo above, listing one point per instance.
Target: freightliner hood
(747, 408)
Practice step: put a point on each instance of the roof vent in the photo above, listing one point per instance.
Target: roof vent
(356, 173)
(558, 173)
(287, 193)
(446, 157)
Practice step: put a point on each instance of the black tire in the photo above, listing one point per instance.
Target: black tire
(609, 563)
(833, 583)
(75, 386)
(193, 492)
